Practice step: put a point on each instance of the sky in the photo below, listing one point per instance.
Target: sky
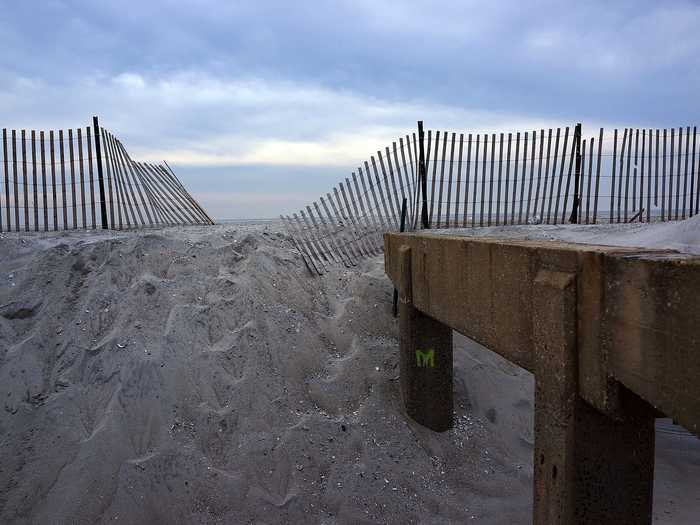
(260, 107)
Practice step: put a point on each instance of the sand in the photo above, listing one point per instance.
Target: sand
(202, 375)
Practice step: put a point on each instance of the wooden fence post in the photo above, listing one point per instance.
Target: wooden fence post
(423, 177)
(100, 177)
(577, 174)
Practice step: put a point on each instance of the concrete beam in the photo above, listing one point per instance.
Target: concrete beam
(639, 310)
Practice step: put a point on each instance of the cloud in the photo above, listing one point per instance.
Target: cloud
(264, 89)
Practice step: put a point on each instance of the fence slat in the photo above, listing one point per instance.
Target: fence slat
(507, 188)
(546, 175)
(139, 181)
(159, 214)
(597, 177)
(582, 180)
(670, 174)
(649, 177)
(395, 206)
(121, 185)
(354, 217)
(317, 256)
(591, 146)
(127, 193)
(663, 179)
(685, 171)
(466, 180)
(403, 181)
(561, 174)
(426, 160)
(34, 182)
(407, 177)
(196, 207)
(379, 189)
(330, 248)
(532, 177)
(348, 241)
(72, 179)
(393, 177)
(627, 175)
(483, 179)
(53, 181)
(442, 177)
(64, 200)
(500, 174)
(341, 245)
(192, 212)
(7, 179)
(459, 178)
(374, 194)
(692, 175)
(621, 175)
(515, 177)
(634, 170)
(167, 194)
(433, 185)
(612, 184)
(573, 159)
(14, 176)
(678, 171)
(361, 234)
(641, 178)
(25, 183)
(449, 181)
(321, 247)
(160, 194)
(42, 148)
(554, 176)
(88, 140)
(343, 219)
(82, 178)
(476, 180)
(109, 162)
(493, 150)
(128, 175)
(522, 183)
(367, 221)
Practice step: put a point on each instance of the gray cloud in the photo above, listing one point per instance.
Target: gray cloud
(238, 92)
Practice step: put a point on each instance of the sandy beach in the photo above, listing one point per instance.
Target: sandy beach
(203, 375)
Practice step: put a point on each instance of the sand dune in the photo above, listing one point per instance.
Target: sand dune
(202, 375)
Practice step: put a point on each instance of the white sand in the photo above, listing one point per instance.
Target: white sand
(201, 375)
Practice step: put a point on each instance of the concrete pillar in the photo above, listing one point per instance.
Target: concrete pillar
(588, 468)
(425, 358)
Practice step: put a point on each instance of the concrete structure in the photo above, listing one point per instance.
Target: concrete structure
(612, 335)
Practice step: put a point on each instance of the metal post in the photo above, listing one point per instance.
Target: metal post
(100, 178)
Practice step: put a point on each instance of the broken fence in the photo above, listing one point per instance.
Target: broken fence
(553, 176)
(85, 179)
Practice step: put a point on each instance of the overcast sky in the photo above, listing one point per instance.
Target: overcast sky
(262, 106)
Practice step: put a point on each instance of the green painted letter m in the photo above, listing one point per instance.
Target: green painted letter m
(425, 359)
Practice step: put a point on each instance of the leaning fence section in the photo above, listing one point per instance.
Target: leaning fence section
(545, 176)
(346, 224)
(84, 178)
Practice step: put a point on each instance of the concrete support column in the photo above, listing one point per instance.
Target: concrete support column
(588, 468)
(425, 347)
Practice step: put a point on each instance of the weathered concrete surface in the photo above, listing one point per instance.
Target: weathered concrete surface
(611, 334)
(644, 305)
(588, 467)
(425, 360)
